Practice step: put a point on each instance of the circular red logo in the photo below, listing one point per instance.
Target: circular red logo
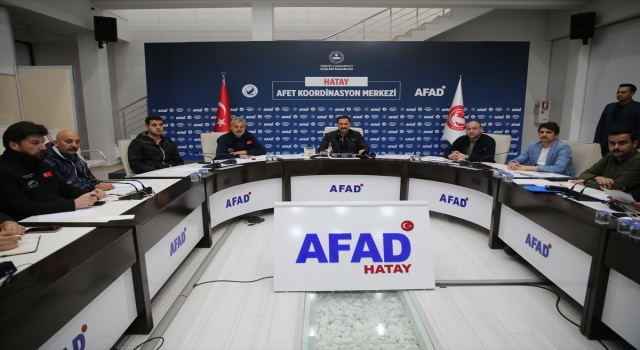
(185, 229)
(249, 193)
(84, 328)
(407, 225)
(456, 118)
(549, 245)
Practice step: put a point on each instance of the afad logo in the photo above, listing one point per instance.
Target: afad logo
(537, 245)
(365, 248)
(178, 242)
(453, 200)
(233, 201)
(79, 342)
(346, 188)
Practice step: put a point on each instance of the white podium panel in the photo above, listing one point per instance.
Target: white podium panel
(331, 246)
(622, 307)
(242, 199)
(458, 201)
(102, 322)
(567, 266)
(345, 188)
(166, 255)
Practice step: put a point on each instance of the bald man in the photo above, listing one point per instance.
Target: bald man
(62, 154)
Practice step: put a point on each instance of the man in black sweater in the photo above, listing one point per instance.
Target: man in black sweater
(474, 146)
(27, 183)
(622, 114)
(344, 140)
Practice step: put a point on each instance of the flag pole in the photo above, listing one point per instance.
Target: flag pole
(225, 73)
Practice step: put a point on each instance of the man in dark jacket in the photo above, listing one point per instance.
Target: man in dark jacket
(474, 146)
(150, 150)
(27, 183)
(238, 143)
(62, 155)
(344, 140)
(618, 115)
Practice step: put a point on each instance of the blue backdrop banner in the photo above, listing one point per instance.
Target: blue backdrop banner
(398, 92)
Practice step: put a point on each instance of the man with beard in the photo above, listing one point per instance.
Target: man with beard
(344, 140)
(150, 150)
(619, 169)
(622, 114)
(27, 183)
(62, 155)
(239, 143)
(549, 155)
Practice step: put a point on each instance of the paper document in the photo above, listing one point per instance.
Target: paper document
(67, 215)
(621, 196)
(534, 182)
(114, 218)
(437, 159)
(28, 244)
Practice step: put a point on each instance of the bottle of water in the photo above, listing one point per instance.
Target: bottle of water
(329, 149)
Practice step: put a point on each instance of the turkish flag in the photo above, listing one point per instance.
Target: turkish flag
(456, 125)
(223, 119)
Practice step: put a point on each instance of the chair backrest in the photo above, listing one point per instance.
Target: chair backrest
(1, 147)
(334, 128)
(123, 147)
(583, 155)
(209, 142)
(503, 144)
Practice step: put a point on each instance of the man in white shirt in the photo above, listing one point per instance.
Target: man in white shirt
(549, 155)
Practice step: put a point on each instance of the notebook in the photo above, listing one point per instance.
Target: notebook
(28, 244)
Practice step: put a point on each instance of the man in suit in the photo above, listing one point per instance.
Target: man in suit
(474, 146)
(548, 155)
(344, 140)
(622, 114)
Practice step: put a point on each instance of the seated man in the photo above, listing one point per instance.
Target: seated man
(238, 143)
(548, 155)
(62, 155)
(150, 150)
(619, 169)
(10, 232)
(27, 183)
(344, 140)
(474, 146)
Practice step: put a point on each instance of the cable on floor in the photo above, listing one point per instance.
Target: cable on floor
(148, 340)
(259, 279)
(253, 220)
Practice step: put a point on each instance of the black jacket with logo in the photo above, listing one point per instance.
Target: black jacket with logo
(29, 187)
(352, 142)
(146, 155)
(72, 170)
(246, 142)
(483, 151)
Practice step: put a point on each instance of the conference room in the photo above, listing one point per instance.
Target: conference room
(396, 248)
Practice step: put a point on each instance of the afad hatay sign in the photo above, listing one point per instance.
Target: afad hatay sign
(331, 246)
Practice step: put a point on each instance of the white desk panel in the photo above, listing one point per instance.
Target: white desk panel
(113, 207)
(166, 255)
(345, 188)
(173, 172)
(458, 201)
(101, 323)
(622, 307)
(567, 266)
(242, 199)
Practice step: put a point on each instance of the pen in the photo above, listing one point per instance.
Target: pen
(563, 185)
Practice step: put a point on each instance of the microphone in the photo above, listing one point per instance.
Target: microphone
(218, 164)
(201, 154)
(135, 194)
(469, 163)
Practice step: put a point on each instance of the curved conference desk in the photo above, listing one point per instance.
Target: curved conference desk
(590, 262)
(555, 235)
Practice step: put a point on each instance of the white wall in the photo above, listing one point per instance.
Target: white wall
(514, 25)
(557, 78)
(615, 59)
(64, 54)
(313, 23)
